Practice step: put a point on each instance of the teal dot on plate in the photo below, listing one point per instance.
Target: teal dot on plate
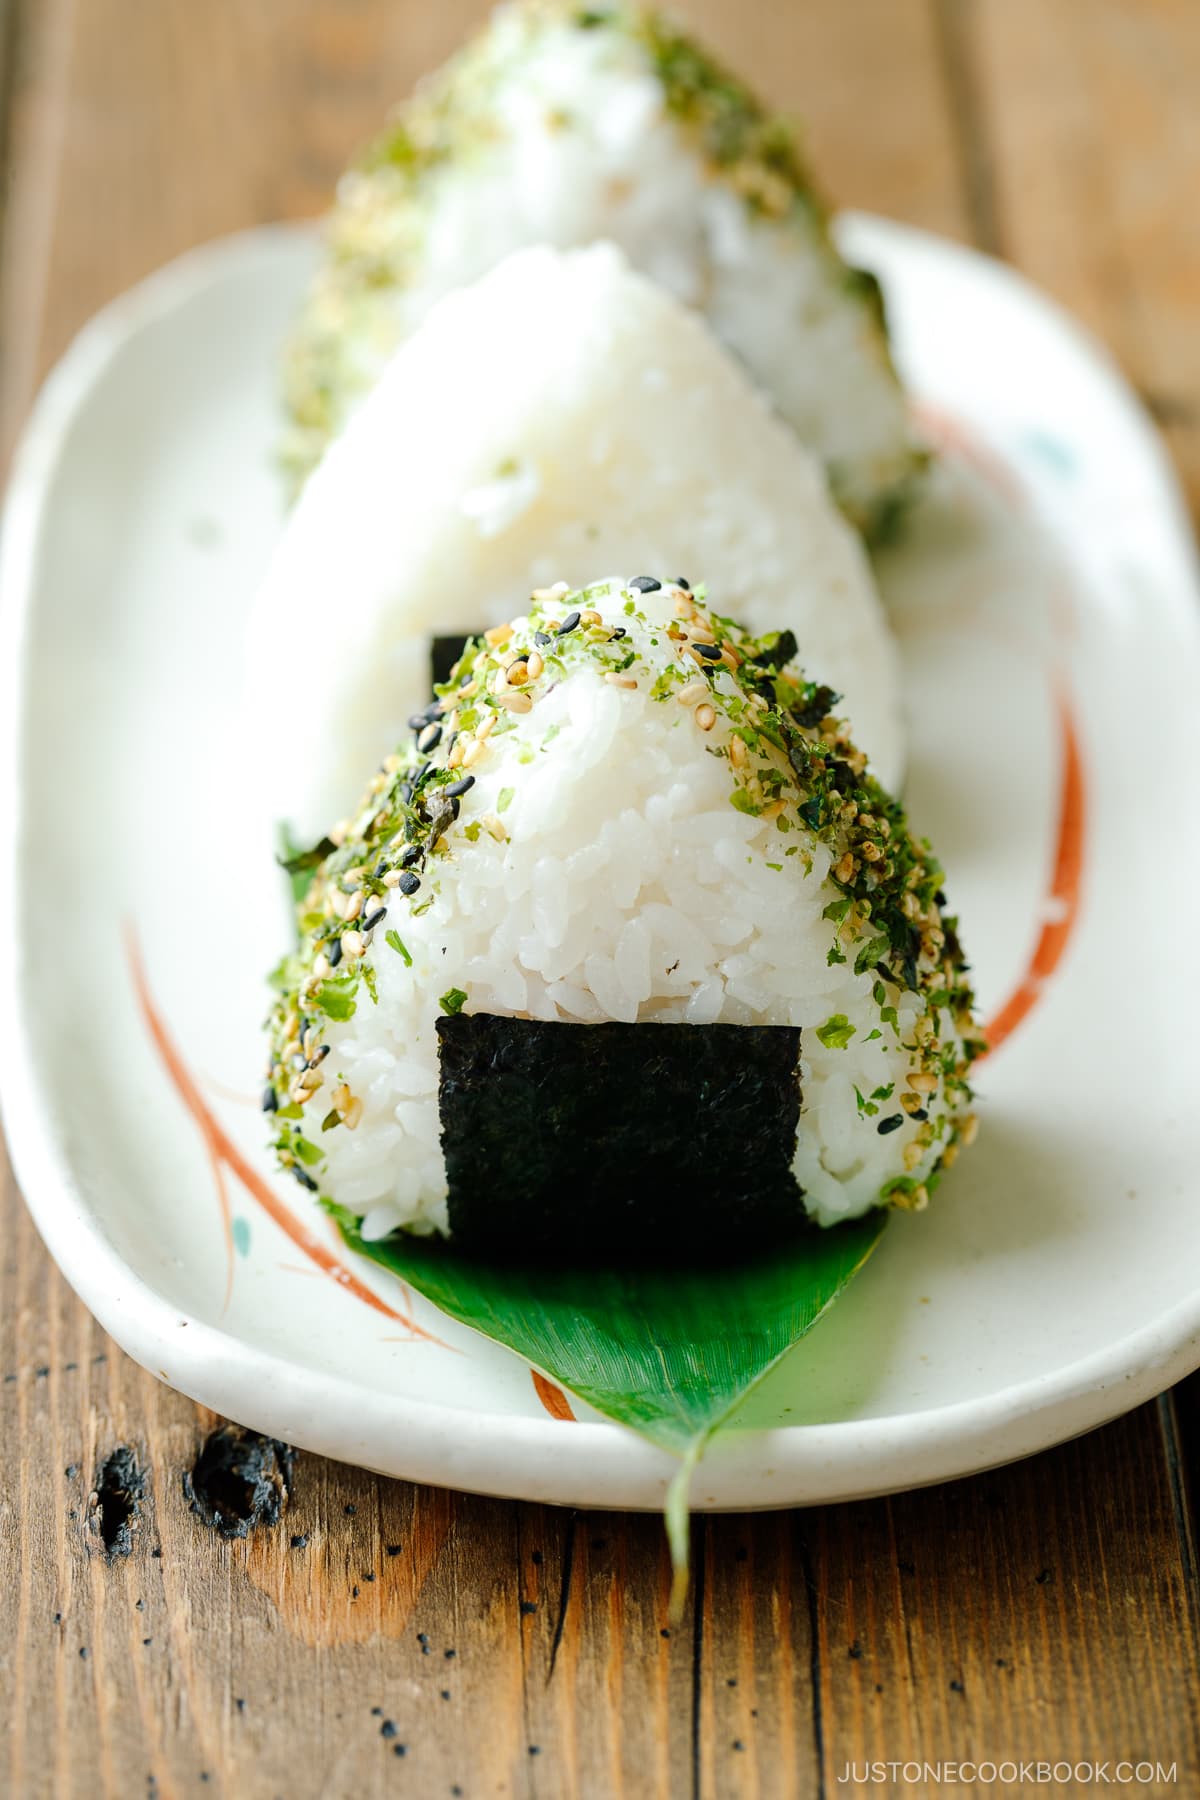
(241, 1236)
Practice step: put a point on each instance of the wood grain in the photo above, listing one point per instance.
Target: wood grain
(388, 1639)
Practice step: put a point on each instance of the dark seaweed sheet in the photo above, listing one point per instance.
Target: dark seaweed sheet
(444, 652)
(602, 1140)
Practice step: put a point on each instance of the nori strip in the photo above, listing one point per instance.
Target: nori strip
(444, 652)
(652, 1139)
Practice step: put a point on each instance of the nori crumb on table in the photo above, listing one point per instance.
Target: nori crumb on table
(563, 1139)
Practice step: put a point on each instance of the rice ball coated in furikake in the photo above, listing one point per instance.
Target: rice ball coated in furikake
(622, 814)
(565, 124)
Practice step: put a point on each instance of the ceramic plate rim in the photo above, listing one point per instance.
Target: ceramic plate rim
(813, 1463)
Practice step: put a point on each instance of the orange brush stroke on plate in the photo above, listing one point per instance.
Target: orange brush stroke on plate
(552, 1398)
(1064, 892)
(224, 1153)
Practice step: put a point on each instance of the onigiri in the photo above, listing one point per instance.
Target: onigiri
(623, 939)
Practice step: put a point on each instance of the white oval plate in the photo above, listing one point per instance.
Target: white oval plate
(1046, 598)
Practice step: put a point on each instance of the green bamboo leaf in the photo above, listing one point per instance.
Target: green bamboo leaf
(669, 1353)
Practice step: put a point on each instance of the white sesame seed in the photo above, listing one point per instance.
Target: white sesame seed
(515, 702)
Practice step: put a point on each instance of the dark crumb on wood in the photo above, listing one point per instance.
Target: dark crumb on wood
(70, 1366)
(399, 1749)
(369, 1575)
(742, 1554)
(83, 1652)
(114, 1508)
(157, 1550)
(71, 1471)
(535, 1749)
(350, 1511)
(388, 1728)
(956, 1687)
(393, 1549)
(731, 1681)
(241, 1705)
(599, 1543)
(239, 1480)
(907, 1568)
(1043, 1578)
(58, 1618)
(147, 1642)
(664, 1632)
(445, 1693)
(139, 1606)
(377, 1712)
(449, 1653)
(354, 1592)
(855, 1651)
(528, 1606)
(423, 1640)
(738, 1744)
(536, 1559)
(299, 1540)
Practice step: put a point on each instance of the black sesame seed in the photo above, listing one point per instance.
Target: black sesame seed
(617, 635)
(372, 919)
(421, 773)
(410, 856)
(459, 787)
(406, 793)
(542, 638)
(921, 1115)
(270, 1100)
(417, 722)
(685, 585)
(645, 584)
(568, 624)
(334, 952)
(892, 1124)
(409, 883)
(305, 1180)
(710, 652)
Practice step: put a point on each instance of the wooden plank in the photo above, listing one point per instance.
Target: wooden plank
(1086, 117)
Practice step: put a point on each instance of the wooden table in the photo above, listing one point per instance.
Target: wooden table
(385, 1639)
